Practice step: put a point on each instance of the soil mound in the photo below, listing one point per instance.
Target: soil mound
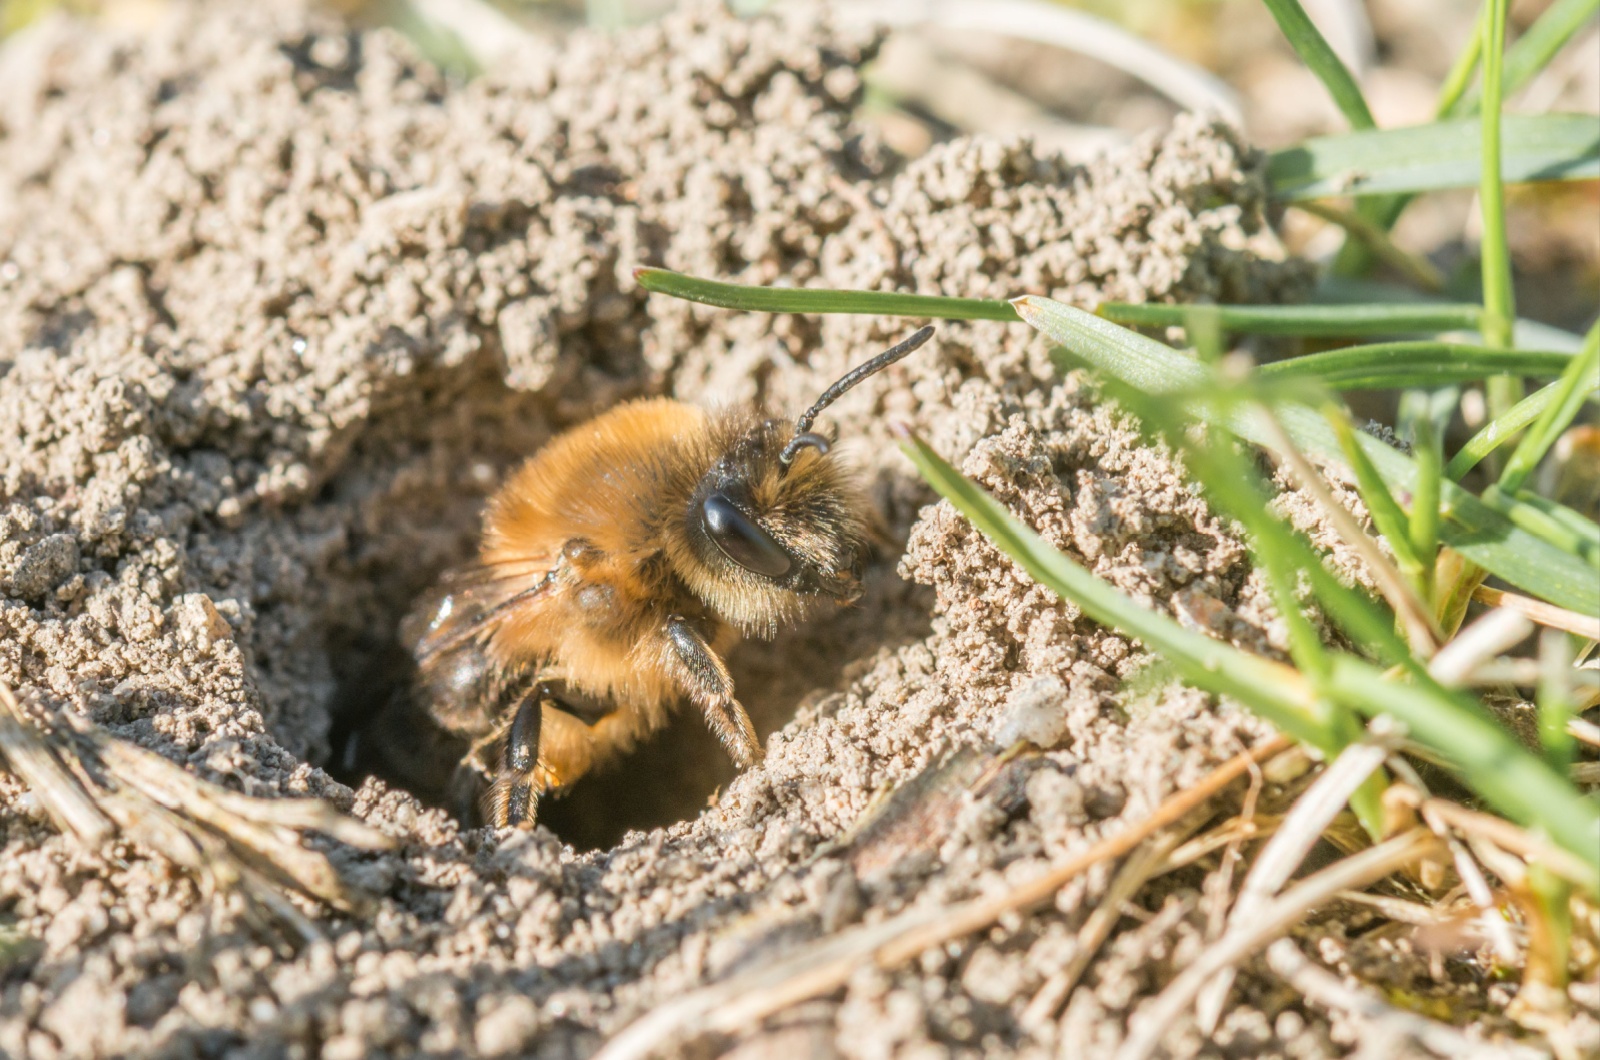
(279, 307)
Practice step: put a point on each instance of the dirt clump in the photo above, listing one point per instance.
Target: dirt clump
(280, 305)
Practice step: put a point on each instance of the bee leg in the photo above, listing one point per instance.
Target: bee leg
(705, 678)
(512, 799)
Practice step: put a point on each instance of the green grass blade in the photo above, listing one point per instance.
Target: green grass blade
(1416, 315)
(1533, 50)
(1387, 365)
(1278, 693)
(1319, 57)
(1500, 430)
(1427, 448)
(1459, 80)
(1582, 526)
(1552, 524)
(813, 300)
(1486, 536)
(1311, 320)
(1553, 521)
(1231, 484)
(1387, 516)
(1439, 155)
(1515, 781)
(1459, 98)
(1549, 34)
(1554, 697)
(1361, 226)
(1233, 487)
(1581, 378)
(1499, 301)
(1336, 290)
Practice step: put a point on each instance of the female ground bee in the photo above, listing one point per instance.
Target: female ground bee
(617, 566)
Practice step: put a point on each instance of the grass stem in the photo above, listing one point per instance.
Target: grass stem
(1499, 303)
(814, 300)
(1314, 50)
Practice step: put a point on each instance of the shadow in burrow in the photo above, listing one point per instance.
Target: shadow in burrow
(413, 488)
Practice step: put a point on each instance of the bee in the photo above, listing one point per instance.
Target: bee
(617, 566)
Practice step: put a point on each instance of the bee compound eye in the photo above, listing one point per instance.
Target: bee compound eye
(741, 540)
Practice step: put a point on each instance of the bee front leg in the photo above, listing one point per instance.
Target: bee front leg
(512, 799)
(704, 677)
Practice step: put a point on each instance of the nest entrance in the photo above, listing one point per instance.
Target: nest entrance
(667, 779)
(673, 774)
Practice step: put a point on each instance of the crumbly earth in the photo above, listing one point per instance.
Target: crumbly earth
(279, 306)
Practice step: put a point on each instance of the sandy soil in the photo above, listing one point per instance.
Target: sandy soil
(278, 308)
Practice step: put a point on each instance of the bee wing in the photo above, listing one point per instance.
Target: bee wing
(468, 604)
(447, 635)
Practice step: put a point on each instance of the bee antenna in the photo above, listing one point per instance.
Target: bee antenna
(802, 427)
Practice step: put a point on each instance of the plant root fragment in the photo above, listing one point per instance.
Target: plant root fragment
(1386, 1029)
(826, 965)
(1153, 1020)
(97, 788)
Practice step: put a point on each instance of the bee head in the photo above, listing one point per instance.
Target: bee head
(776, 525)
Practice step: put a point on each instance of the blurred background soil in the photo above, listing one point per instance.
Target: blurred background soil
(282, 300)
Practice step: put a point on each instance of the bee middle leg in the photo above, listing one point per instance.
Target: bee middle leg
(705, 678)
(513, 799)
